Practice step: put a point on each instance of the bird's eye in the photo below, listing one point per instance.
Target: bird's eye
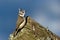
(22, 12)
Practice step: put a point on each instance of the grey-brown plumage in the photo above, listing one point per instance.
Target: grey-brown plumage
(19, 21)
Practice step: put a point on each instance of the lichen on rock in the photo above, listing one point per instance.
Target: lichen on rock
(32, 31)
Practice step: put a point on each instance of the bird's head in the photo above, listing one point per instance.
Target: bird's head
(21, 12)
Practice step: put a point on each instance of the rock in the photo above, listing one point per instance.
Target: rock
(33, 31)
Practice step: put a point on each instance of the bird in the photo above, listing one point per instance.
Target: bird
(20, 21)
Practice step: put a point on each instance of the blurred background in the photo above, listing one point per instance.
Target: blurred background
(45, 12)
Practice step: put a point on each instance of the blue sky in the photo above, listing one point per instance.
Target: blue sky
(46, 12)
